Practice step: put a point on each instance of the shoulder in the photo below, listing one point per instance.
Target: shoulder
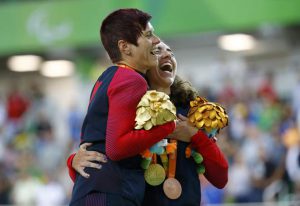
(125, 75)
(127, 80)
(119, 75)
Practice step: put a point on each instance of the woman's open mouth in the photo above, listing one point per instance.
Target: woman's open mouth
(166, 67)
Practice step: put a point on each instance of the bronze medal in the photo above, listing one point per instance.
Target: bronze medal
(155, 174)
(172, 188)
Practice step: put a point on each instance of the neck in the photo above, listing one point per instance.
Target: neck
(166, 90)
(132, 65)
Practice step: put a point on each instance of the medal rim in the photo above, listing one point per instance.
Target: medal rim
(178, 185)
(157, 166)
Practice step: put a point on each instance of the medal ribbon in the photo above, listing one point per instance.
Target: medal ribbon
(125, 66)
(154, 159)
(172, 161)
(172, 187)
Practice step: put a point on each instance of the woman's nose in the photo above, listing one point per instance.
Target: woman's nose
(166, 54)
(156, 39)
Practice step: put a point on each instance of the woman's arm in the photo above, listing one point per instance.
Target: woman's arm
(83, 158)
(122, 140)
(216, 166)
(72, 171)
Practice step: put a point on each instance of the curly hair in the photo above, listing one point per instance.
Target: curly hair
(182, 92)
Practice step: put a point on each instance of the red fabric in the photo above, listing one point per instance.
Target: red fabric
(122, 141)
(72, 172)
(216, 166)
(96, 87)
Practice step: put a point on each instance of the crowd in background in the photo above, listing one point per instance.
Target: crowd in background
(261, 143)
(32, 158)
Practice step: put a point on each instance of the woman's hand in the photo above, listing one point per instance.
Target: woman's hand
(184, 130)
(84, 158)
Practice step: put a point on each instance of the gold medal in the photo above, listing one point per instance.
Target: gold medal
(172, 188)
(155, 174)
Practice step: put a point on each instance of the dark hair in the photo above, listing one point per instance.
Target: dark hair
(122, 24)
(182, 92)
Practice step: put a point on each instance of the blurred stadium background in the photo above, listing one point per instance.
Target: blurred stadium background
(244, 54)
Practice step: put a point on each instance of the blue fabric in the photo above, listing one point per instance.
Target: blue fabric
(123, 178)
(186, 174)
(95, 121)
(103, 199)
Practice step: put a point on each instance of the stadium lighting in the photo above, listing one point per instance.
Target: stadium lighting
(24, 63)
(236, 42)
(57, 68)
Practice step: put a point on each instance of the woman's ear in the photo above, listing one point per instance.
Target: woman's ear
(124, 47)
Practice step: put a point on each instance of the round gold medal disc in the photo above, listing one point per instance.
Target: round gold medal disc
(172, 188)
(155, 174)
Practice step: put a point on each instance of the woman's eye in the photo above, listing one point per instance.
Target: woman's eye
(149, 36)
(156, 51)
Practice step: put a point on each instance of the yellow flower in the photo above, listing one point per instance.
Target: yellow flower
(207, 115)
(155, 108)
